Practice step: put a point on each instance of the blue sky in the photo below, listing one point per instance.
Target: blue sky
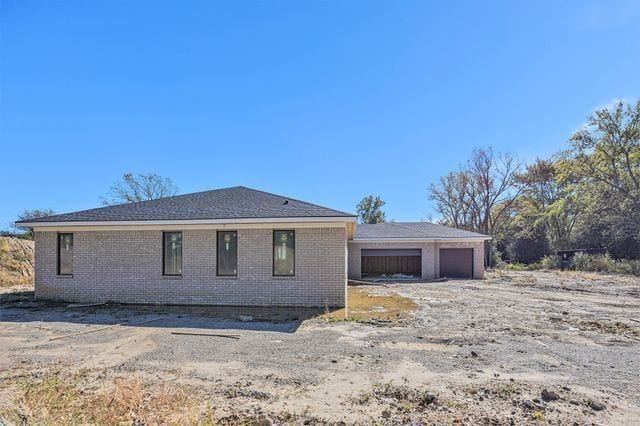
(325, 101)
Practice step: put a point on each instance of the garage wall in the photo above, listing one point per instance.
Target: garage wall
(430, 256)
(478, 256)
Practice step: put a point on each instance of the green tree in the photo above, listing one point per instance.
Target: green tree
(133, 188)
(548, 203)
(602, 166)
(370, 210)
(605, 154)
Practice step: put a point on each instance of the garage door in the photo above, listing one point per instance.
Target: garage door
(376, 262)
(456, 263)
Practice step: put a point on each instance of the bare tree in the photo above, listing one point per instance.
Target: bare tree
(479, 196)
(139, 187)
(32, 214)
(452, 200)
(492, 188)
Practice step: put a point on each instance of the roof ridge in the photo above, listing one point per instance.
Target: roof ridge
(294, 199)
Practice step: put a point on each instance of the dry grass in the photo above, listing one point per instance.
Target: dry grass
(363, 306)
(70, 399)
(16, 262)
(84, 399)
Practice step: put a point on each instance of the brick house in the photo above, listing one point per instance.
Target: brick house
(234, 247)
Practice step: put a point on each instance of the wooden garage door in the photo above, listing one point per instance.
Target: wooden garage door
(456, 263)
(376, 262)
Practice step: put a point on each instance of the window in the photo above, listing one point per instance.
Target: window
(65, 254)
(172, 253)
(284, 250)
(227, 253)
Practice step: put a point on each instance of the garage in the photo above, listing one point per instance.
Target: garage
(456, 262)
(377, 262)
(414, 250)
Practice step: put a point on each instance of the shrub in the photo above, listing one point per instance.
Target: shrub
(604, 263)
(626, 266)
(496, 257)
(580, 261)
(592, 263)
(550, 262)
(514, 267)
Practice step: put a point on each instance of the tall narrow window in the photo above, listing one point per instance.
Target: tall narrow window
(227, 253)
(284, 251)
(65, 254)
(172, 253)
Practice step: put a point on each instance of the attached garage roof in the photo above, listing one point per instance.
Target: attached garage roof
(412, 231)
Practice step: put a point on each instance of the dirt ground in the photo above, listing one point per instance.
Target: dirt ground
(517, 347)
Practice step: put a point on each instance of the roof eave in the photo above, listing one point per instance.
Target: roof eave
(421, 240)
(305, 219)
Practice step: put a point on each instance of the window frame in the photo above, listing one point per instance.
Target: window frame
(164, 242)
(273, 253)
(218, 233)
(58, 235)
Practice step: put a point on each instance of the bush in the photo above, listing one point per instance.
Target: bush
(550, 262)
(582, 262)
(604, 263)
(513, 266)
(496, 257)
(520, 266)
(625, 266)
(592, 263)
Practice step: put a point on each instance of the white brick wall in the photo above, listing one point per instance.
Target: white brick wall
(126, 266)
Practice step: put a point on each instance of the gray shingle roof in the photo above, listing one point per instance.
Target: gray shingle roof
(228, 203)
(423, 230)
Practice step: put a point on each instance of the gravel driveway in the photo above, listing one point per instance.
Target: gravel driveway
(516, 347)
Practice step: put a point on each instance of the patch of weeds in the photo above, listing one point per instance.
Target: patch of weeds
(406, 406)
(538, 415)
(64, 399)
(236, 392)
(83, 372)
(514, 267)
(362, 399)
(53, 395)
(609, 328)
(453, 404)
(507, 388)
(286, 416)
(404, 398)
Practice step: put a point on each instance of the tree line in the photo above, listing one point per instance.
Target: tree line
(585, 196)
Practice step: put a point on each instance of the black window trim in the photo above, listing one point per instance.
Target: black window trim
(218, 274)
(58, 253)
(273, 253)
(163, 253)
